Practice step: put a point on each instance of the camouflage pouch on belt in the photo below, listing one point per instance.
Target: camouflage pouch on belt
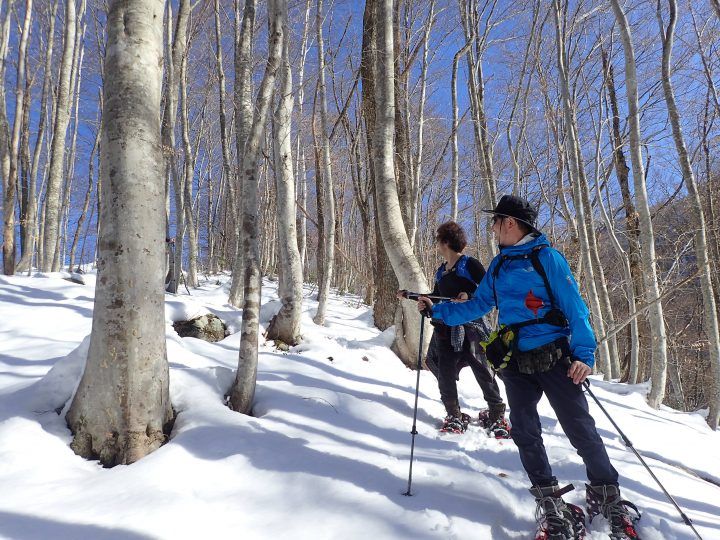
(540, 359)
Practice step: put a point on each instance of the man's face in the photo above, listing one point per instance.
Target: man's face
(499, 229)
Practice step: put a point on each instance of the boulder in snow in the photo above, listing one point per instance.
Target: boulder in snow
(207, 327)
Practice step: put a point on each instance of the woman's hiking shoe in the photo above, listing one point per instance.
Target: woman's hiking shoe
(455, 424)
(496, 425)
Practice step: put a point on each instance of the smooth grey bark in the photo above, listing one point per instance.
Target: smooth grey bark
(285, 326)
(51, 229)
(8, 185)
(185, 203)
(647, 237)
(420, 140)
(574, 158)
(455, 160)
(9, 195)
(697, 216)
(476, 90)
(622, 172)
(300, 148)
(229, 177)
(121, 411)
(242, 391)
(244, 120)
(31, 217)
(327, 215)
(397, 244)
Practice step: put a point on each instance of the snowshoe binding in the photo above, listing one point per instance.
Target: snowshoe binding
(455, 424)
(556, 519)
(495, 423)
(621, 514)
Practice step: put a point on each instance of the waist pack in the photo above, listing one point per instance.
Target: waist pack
(501, 351)
(543, 358)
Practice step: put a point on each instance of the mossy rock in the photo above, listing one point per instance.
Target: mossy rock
(207, 327)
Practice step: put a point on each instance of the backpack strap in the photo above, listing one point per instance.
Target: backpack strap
(555, 316)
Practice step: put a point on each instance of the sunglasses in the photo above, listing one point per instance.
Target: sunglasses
(495, 219)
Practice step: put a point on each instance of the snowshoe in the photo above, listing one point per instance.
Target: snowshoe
(556, 519)
(496, 425)
(455, 424)
(621, 514)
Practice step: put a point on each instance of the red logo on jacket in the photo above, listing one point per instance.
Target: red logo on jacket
(533, 303)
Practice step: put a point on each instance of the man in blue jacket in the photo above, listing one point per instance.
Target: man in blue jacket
(552, 352)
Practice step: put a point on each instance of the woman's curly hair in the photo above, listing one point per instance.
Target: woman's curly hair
(453, 235)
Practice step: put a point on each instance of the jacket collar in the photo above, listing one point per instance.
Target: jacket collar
(526, 247)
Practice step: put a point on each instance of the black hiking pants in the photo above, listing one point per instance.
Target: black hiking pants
(568, 401)
(445, 363)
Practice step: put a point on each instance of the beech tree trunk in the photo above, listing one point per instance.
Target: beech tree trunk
(285, 326)
(51, 230)
(244, 120)
(697, 216)
(647, 237)
(327, 215)
(121, 410)
(574, 157)
(394, 236)
(9, 196)
(242, 391)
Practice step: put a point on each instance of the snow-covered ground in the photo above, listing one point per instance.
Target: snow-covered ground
(326, 455)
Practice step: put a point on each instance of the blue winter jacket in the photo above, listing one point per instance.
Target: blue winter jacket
(521, 296)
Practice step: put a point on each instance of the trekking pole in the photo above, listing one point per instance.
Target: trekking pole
(415, 295)
(629, 444)
(417, 392)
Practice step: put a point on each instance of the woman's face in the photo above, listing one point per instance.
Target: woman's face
(443, 249)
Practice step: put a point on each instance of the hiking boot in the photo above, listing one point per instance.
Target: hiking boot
(621, 514)
(455, 424)
(556, 519)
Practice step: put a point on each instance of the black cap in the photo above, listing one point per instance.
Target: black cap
(517, 208)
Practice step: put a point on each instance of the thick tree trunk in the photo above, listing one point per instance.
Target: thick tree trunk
(51, 229)
(8, 184)
(242, 391)
(244, 120)
(647, 236)
(285, 326)
(122, 410)
(392, 229)
(697, 215)
(327, 248)
(385, 281)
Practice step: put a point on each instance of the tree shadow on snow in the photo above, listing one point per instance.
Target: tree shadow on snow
(26, 527)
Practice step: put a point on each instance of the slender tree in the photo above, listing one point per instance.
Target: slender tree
(51, 229)
(647, 235)
(697, 216)
(242, 391)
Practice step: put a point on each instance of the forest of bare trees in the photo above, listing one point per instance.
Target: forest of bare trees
(323, 142)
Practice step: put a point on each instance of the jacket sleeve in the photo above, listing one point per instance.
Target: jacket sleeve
(456, 313)
(567, 295)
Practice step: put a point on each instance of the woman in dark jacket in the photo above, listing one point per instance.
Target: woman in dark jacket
(454, 347)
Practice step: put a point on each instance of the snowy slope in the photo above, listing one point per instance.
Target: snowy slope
(326, 455)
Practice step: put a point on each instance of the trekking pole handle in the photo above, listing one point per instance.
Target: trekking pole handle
(416, 295)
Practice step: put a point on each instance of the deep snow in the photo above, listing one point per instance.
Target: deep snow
(326, 455)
